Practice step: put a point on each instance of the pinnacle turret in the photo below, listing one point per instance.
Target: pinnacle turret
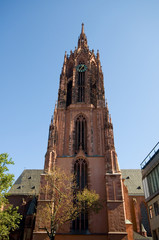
(98, 55)
(52, 130)
(107, 112)
(65, 57)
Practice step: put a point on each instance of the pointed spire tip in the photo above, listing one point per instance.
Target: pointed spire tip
(82, 40)
(82, 28)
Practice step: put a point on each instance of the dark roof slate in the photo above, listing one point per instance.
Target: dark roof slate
(28, 183)
(133, 181)
(138, 236)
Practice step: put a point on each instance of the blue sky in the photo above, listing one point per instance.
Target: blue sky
(34, 36)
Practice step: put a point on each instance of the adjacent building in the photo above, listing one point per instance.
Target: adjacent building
(135, 205)
(150, 178)
(24, 194)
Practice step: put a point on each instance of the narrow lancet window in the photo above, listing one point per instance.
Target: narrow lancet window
(80, 171)
(80, 134)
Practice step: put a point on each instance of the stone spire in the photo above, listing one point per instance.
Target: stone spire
(82, 29)
(82, 41)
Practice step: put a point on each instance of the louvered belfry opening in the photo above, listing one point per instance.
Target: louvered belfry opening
(81, 134)
(81, 86)
(93, 86)
(69, 93)
(80, 171)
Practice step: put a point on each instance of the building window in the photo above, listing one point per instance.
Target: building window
(80, 134)
(145, 218)
(153, 180)
(81, 86)
(151, 211)
(156, 208)
(146, 189)
(80, 171)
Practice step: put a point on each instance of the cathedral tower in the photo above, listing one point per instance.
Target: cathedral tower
(81, 138)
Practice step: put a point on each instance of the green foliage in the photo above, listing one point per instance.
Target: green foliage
(6, 179)
(9, 216)
(9, 221)
(91, 200)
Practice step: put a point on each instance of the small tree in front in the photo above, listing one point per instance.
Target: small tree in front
(9, 216)
(66, 202)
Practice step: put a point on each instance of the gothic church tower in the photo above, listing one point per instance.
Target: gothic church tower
(81, 139)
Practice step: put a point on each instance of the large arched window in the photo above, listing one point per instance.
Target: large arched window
(81, 175)
(80, 134)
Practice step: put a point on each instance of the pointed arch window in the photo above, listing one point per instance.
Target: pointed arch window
(80, 171)
(80, 134)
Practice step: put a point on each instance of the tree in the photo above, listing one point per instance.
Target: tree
(9, 217)
(66, 202)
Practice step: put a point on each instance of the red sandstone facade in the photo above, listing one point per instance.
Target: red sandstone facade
(81, 130)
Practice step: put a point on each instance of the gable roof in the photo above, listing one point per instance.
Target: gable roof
(29, 181)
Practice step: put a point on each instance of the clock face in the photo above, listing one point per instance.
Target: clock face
(81, 68)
